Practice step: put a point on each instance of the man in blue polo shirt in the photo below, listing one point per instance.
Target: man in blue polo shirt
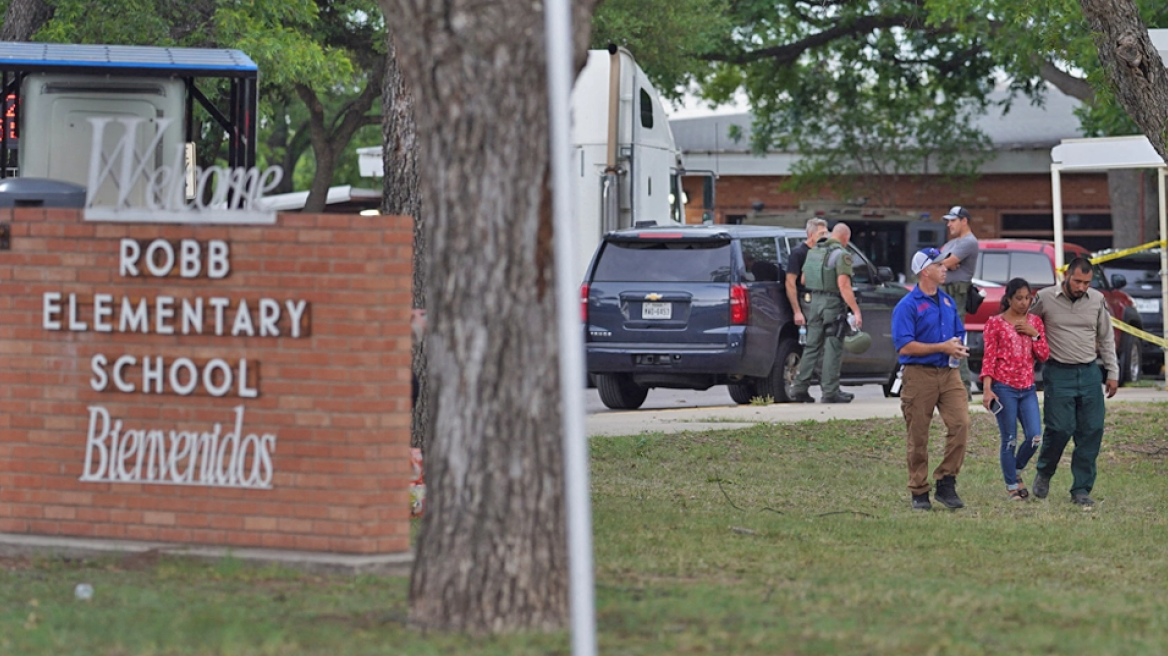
(928, 334)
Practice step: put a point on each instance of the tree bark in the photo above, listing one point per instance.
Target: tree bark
(1132, 65)
(402, 196)
(24, 18)
(491, 556)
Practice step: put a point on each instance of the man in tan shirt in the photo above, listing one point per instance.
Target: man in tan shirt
(1078, 327)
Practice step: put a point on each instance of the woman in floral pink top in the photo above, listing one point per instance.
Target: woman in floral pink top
(1013, 340)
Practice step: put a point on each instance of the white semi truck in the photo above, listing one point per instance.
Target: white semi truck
(625, 164)
(624, 161)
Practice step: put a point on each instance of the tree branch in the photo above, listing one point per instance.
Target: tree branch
(788, 53)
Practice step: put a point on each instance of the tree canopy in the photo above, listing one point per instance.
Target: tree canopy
(851, 84)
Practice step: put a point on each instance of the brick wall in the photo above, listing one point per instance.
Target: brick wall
(334, 399)
(987, 198)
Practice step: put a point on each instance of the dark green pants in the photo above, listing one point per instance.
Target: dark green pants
(822, 344)
(1073, 408)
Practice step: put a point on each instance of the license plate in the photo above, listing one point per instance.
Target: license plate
(1147, 305)
(657, 310)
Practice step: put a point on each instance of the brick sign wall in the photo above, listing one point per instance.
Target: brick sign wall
(224, 385)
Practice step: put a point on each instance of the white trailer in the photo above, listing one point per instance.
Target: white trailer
(625, 163)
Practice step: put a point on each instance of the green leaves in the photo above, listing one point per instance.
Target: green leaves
(866, 89)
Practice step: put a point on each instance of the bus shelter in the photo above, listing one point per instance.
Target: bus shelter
(1103, 154)
(192, 65)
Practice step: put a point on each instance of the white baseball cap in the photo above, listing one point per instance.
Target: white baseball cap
(925, 257)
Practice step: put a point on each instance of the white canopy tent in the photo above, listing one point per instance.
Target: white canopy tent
(1101, 154)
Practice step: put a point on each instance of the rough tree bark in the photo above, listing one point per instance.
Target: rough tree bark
(491, 555)
(24, 18)
(401, 195)
(1134, 68)
(1132, 65)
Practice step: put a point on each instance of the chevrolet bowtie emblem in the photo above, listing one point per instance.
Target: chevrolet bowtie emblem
(652, 297)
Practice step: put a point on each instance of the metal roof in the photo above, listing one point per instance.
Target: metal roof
(1024, 126)
(125, 59)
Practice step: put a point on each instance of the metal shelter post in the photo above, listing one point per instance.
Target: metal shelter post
(1161, 172)
(1057, 210)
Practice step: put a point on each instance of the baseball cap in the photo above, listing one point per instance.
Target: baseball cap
(956, 212)
(926, 257)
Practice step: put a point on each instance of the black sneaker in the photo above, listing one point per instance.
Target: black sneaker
(921, 502)
(847, 395)
(836, 398)
(802, 397)
(1081, 499)
(1041, 485)
(946, 493)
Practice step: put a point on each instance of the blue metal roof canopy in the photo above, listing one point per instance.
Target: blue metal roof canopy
(20, 59)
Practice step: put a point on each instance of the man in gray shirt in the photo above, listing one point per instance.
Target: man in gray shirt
(1078, 328)
(961, 261)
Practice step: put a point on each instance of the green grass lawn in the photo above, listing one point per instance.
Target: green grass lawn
(777, 539)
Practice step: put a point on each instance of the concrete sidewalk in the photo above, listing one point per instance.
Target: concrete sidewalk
(635, 422)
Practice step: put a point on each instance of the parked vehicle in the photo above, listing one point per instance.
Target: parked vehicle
(999, 260)
(1138, 275)
(692, 307)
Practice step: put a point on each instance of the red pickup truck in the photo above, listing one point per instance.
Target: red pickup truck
(999, 260)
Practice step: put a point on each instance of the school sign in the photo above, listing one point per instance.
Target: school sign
(206, 381)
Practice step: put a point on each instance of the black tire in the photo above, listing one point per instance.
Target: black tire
(888, 393)
(619, 392)
(743, 392)
(1130, 360)
(778, 384)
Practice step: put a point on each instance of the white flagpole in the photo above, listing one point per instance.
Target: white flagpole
(558, 27)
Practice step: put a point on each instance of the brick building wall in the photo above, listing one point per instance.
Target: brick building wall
(310, 451)
(987, 199)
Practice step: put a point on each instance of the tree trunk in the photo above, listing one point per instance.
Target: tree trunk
(401, 196)
(24, 18)
(1123, 187)
(1132, 65)
(492, 555)
(328, 142)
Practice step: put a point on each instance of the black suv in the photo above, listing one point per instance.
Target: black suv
(696, 306)
(1138, 274)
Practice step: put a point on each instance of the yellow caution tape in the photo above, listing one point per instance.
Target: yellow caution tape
(1146, 336)
(1127, 251)
(1107, 257)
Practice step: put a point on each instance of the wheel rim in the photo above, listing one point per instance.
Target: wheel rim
(1133, 362)
(790, 373)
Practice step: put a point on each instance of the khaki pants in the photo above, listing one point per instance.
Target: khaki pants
(925, 388)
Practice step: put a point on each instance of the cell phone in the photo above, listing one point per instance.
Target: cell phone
(995, 406)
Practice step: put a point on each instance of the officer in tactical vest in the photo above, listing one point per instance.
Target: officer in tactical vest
(827, 275)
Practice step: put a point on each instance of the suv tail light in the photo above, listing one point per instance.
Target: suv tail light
(739, 305)
(584, 303)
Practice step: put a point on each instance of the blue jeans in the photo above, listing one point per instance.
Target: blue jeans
(1017, 405)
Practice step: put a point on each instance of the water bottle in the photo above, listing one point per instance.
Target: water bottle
(852, 321)
(954, 362)
(803, 335)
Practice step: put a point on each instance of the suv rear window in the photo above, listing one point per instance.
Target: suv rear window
(1001, 267)
(656, 261)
